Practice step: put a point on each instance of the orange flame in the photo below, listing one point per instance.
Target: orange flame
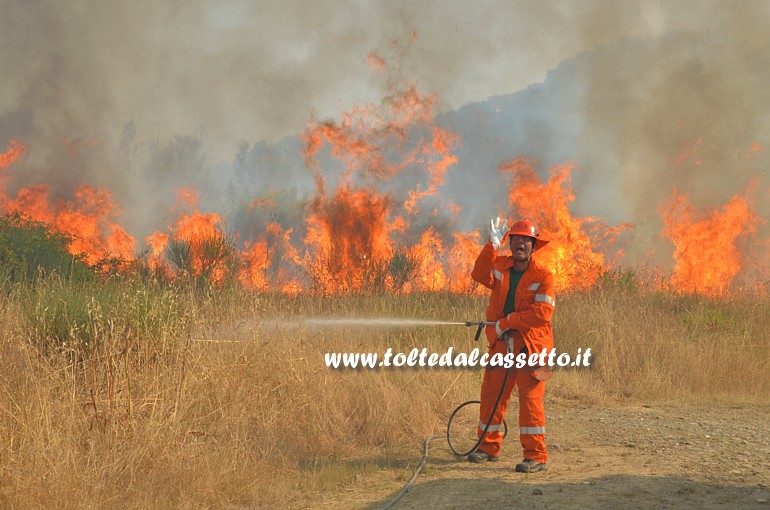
(570, 254)
(157, 241)
(373, 231)
(16, 149)
(32, 202)
(87, 219)
(439, 159)
(430, 270)
(690, 151)
(201, 246)
(461, 258)
(271, 262)
(351, 235)
(347, 240)
(707, 257)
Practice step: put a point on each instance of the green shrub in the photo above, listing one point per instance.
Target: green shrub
(74, 316)
(30, 248)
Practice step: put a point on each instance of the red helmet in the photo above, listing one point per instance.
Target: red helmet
(526, 227)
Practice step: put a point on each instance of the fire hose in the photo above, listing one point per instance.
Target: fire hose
(509, 344)
(540, 374)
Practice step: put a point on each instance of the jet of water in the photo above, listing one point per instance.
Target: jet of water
(377, 322)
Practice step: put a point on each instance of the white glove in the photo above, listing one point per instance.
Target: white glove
(497, 231)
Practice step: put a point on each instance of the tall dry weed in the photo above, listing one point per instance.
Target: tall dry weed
(193, 397)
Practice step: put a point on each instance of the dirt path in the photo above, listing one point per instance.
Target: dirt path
(620, 457)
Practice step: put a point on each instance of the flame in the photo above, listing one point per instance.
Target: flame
(352, 235)
(460, 264)
(348, 240)
(357, 237)
(32, 202)
(430, 271)
(364, 138)
(16, 149)
(360, 235)
(690, 151)
(198, 245)
(439, 158)
(707, 256)
(157, 242)
(271, 261)
(377, 220)
(570, 253)
(88, 219)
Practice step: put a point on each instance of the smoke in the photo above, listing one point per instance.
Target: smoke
(256, 70)
(142, 97)
(688, 110)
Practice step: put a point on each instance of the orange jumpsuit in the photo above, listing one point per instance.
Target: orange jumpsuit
(530, 326)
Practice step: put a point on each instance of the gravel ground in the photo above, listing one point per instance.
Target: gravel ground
(644, 456)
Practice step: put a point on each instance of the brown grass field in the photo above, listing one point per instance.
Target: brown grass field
(190, 398)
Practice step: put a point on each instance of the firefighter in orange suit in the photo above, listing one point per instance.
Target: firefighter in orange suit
(521, 306)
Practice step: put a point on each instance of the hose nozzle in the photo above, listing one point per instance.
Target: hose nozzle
(480, 325)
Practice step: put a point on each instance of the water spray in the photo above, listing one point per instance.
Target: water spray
(390, 322)
(381, 322)
(352, 322)
(396, 322)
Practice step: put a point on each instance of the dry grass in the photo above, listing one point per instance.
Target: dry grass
(652, 345)
(149, 416)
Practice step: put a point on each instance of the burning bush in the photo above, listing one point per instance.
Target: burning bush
(204, 259)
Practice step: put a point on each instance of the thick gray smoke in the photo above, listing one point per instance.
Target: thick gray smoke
(143, 97)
